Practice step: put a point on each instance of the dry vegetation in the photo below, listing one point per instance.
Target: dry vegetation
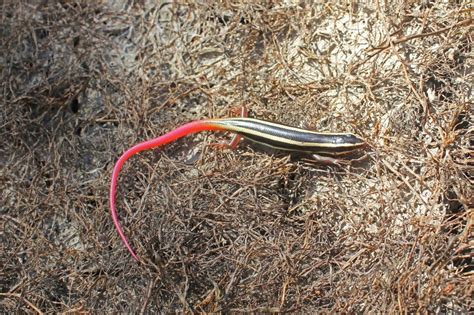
(235, 230)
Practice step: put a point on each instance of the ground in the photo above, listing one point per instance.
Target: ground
(245, 229)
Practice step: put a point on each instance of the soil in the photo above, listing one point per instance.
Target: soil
(242, 230)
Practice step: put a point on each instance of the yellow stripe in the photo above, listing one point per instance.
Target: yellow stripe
(302, 150)
(264, 122)
(229, 126)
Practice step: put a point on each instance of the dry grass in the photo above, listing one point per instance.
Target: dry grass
(241, 230)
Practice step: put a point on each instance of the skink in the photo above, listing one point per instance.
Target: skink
(263, 132)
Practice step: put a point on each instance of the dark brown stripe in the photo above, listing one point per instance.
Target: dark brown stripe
(314, 148)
